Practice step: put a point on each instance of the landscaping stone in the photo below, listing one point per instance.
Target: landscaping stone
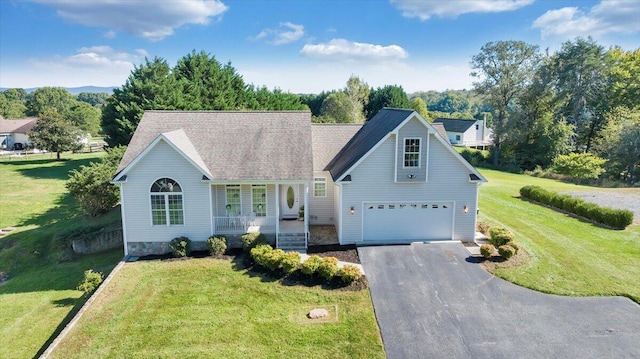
(318, 313)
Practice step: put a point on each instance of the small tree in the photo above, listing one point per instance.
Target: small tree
(91, 185)
(90, 282)
(579, 166)
(53, 133)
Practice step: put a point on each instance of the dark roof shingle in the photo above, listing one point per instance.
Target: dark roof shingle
(455, 124)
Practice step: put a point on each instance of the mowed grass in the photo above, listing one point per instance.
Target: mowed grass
(40, 296)
(206, 308)
(568, 256)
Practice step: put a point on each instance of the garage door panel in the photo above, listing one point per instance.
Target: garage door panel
(407, 221)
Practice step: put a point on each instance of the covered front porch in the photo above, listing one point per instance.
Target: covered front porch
(270, 208)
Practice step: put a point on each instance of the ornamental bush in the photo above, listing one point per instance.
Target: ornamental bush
(273, 259)
(506, 251)
(514, 245)
(217, 245)
(290, 262)
(500, 236)
(328, 268)
(90, 282)
(180, 246)
(349, 273)
(250, 240)
(486, 250)
(483, 227)
(259, 254)
(310, 266)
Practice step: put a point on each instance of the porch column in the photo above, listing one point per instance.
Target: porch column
(306, 214)
(277, 212)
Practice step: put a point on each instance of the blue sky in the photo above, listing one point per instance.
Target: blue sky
(300, 46)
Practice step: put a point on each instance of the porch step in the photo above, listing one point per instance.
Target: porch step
(292, 242)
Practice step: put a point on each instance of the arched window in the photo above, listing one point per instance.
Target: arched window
(166, 203)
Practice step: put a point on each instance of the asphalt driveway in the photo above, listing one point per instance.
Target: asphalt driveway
(432, 301)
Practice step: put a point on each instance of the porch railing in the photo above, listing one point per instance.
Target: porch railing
(245, 224)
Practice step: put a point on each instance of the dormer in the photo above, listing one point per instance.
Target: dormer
(412, 152)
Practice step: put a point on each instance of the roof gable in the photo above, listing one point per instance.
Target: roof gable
(456, 124)
(23, 125)
(232, 145)
(328, 139)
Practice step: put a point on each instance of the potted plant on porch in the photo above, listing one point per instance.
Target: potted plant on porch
(301, 213)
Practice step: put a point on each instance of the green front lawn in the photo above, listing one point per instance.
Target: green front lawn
(568, 256)
(40, 296)
(206, 308)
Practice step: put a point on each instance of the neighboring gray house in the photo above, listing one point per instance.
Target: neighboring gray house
(393, 180)
(14, 132)
(466, 132)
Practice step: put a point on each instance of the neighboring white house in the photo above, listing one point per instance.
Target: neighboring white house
(393, 180)
(14, 132)
(466, 132)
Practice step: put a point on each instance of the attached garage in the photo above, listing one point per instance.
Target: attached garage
(407, 221)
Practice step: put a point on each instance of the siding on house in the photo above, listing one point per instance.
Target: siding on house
(377, 172)
(321, 209)
(164, 161)
(219, 200)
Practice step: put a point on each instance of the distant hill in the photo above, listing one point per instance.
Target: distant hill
(77, 90)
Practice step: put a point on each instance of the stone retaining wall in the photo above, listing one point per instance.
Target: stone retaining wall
(97, 242)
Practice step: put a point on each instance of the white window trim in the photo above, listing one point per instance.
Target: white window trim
(404, 151)
(165, 196)
(320, 180)
(266, 197)
(226, 197)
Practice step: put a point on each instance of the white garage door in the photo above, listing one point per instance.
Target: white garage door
(407, 221)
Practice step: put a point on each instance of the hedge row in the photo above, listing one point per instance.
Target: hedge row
(289, 262)
(616, 218)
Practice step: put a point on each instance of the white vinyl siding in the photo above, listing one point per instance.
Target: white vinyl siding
(163, 161)
(412, 130)
(321, 209)
(219, 200)
(372, 181)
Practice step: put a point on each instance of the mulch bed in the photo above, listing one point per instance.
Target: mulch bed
(344, 253)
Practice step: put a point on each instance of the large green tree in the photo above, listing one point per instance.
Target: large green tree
(503, 70)
(45, 98)
(277, 100)
(53, 133)
(358, 92)
(420, 107)
(11, 108)
(84, 116)
(149, 86)
(619, 142)
(97, 99)
(388, 96)
(625, 78)
(339, 107)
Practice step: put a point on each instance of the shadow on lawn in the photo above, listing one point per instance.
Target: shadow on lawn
(50, 168)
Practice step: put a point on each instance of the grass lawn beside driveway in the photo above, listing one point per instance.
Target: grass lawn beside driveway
(568, 256)
(40, 295)
(206, 308)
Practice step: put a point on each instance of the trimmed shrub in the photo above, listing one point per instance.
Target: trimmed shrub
(486, 250)
(90, 282)
(328, 268)
(349, 273)
(616, 218)
(273, 259)
(483, 227)
(500, 236)
(250, 240)
(506, 251)
(514, 245)
(217, 245)
(310, 266)
(180, 246)
(259, 254)
(290, 262)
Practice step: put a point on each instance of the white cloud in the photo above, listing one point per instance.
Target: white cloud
(286, 33)
(609, 16)
(452, 8)
(91, 65)
(151, 20)
(109, 34)
(344, 50)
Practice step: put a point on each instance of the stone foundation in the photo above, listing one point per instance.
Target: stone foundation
(140, 249)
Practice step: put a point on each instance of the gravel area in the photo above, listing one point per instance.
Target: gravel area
(626, 198)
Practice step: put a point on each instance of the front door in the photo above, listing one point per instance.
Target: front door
(289, 201)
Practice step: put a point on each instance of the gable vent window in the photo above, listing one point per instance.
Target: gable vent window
(412, 152)
(166, 203)
(319, 187)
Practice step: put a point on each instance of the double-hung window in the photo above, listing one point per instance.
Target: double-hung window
(319, 187)
(259, 200)
(234, 204)
(411, 152)
(166, 203)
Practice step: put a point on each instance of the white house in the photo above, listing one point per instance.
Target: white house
(393, 180)
(14, 132)
(466, 132)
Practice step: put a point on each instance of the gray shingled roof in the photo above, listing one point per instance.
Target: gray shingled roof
(234, 145)
(439, 127)
(385, 121)
(23, 125)
(455, 124)
(328, 140)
